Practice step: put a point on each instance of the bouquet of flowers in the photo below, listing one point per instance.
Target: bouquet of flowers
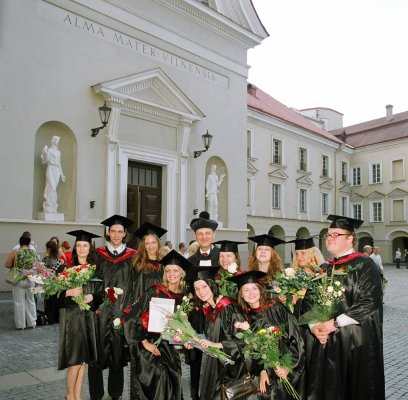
(179, 330)
(263, 347)
(291, 283)
(112, 294)
(69, 278)
(36, 274)
(226, 287)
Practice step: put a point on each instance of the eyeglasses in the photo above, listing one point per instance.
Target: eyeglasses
(335, 235)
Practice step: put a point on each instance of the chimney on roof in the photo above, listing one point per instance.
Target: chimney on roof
(388, 116)
(251, 89)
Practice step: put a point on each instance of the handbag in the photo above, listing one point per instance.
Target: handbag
(239, 389)
(13, 276)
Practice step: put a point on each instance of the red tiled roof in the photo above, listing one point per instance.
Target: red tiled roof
(266, 104)
(375, 131)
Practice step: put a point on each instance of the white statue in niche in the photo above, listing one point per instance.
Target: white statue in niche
(52, 157)
(212, 186)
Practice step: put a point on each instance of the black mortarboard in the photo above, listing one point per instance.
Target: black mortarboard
(229, 245)
(266, 240)
(198, 272)
(175, 258)
(198, 223)
(149, 229)
(118, 220)
(346, 223)
(246, 277)
(303, 243)
(82, 235)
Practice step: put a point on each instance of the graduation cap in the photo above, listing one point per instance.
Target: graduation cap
(266, 240)
(173, 257)
(229, 245)
(200, 222)
(303, 243)
(346, 223)
(247, 277)
(83, 236)
(118, 220)
(149, 229)
(199, 272)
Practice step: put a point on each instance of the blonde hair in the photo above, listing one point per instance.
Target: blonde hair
(182, 280)
(193, 248)
(316, 259)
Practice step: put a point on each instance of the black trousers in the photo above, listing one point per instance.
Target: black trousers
(195, 368)
(95, 379)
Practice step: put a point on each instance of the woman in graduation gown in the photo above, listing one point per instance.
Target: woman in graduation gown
(157, 369)
(262, 314)
(77, 333)
(220, 315)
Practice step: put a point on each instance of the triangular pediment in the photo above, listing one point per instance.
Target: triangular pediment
(150, 91)
(304, 180)
(327, 185)
(251, 168)
(278, 174)
(375, 195)
(397, 193)
(356, 198)
(345, 189)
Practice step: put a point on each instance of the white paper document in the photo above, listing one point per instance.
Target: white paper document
(159, 309)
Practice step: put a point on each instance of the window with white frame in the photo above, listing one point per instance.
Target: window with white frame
(325, 203)
(250, 143)
(343, 206)
(356, 176)
(397, 170)
(325, 166)
(357, 211)
(302, 159)
(302, 200)
(377, 211)
(344, 171)
(277, 151)
(276, 196)
(375, 173)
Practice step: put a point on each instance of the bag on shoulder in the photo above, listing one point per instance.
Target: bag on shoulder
(13, 276)
(239, 389)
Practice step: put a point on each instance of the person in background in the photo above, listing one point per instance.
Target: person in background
(345, 361)
(182, 249)
(377, 258)
(398, 258)
(57, 242)
(193, 248)
(77, 329)
(207, 255)
(113, 268)
(307, 256)
(367, 249)
(52, 261)
(24, 257)
(67, 258)
(157, 367)
(262, 313)
(32, 246)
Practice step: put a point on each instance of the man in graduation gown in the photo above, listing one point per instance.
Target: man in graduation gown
(345, 354)
(207, 255)
(113, 267)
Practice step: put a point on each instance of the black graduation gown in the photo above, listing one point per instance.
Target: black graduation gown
(291, 342)
(219, 328)
(155, 378)
(350, 366)
(142, 281)
(115, 271)
(77, 333)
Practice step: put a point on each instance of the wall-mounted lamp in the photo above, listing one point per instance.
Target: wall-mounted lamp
(104, 113)
(207, 138)
(92, 204)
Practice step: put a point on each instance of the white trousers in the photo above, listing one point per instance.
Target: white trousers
(25, 313)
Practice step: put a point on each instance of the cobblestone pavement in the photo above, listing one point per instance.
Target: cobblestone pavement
(28, 358)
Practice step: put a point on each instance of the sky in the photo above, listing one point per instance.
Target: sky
(347, 55)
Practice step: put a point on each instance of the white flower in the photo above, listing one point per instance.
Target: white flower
(277, 289)
(330, 289)
(290, 272)
(118, 290)
(328, 303)
(232, 268)
(116, 322)
(337, 283)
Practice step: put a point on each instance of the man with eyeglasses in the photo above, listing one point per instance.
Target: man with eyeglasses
(345, 354)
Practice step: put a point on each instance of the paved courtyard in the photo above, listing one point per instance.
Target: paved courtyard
(28, 358)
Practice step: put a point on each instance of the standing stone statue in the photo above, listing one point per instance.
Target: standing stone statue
(52, 157)
(212, 185)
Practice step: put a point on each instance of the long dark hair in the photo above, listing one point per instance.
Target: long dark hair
(245, 306)
(52, 249)
(214, 289)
